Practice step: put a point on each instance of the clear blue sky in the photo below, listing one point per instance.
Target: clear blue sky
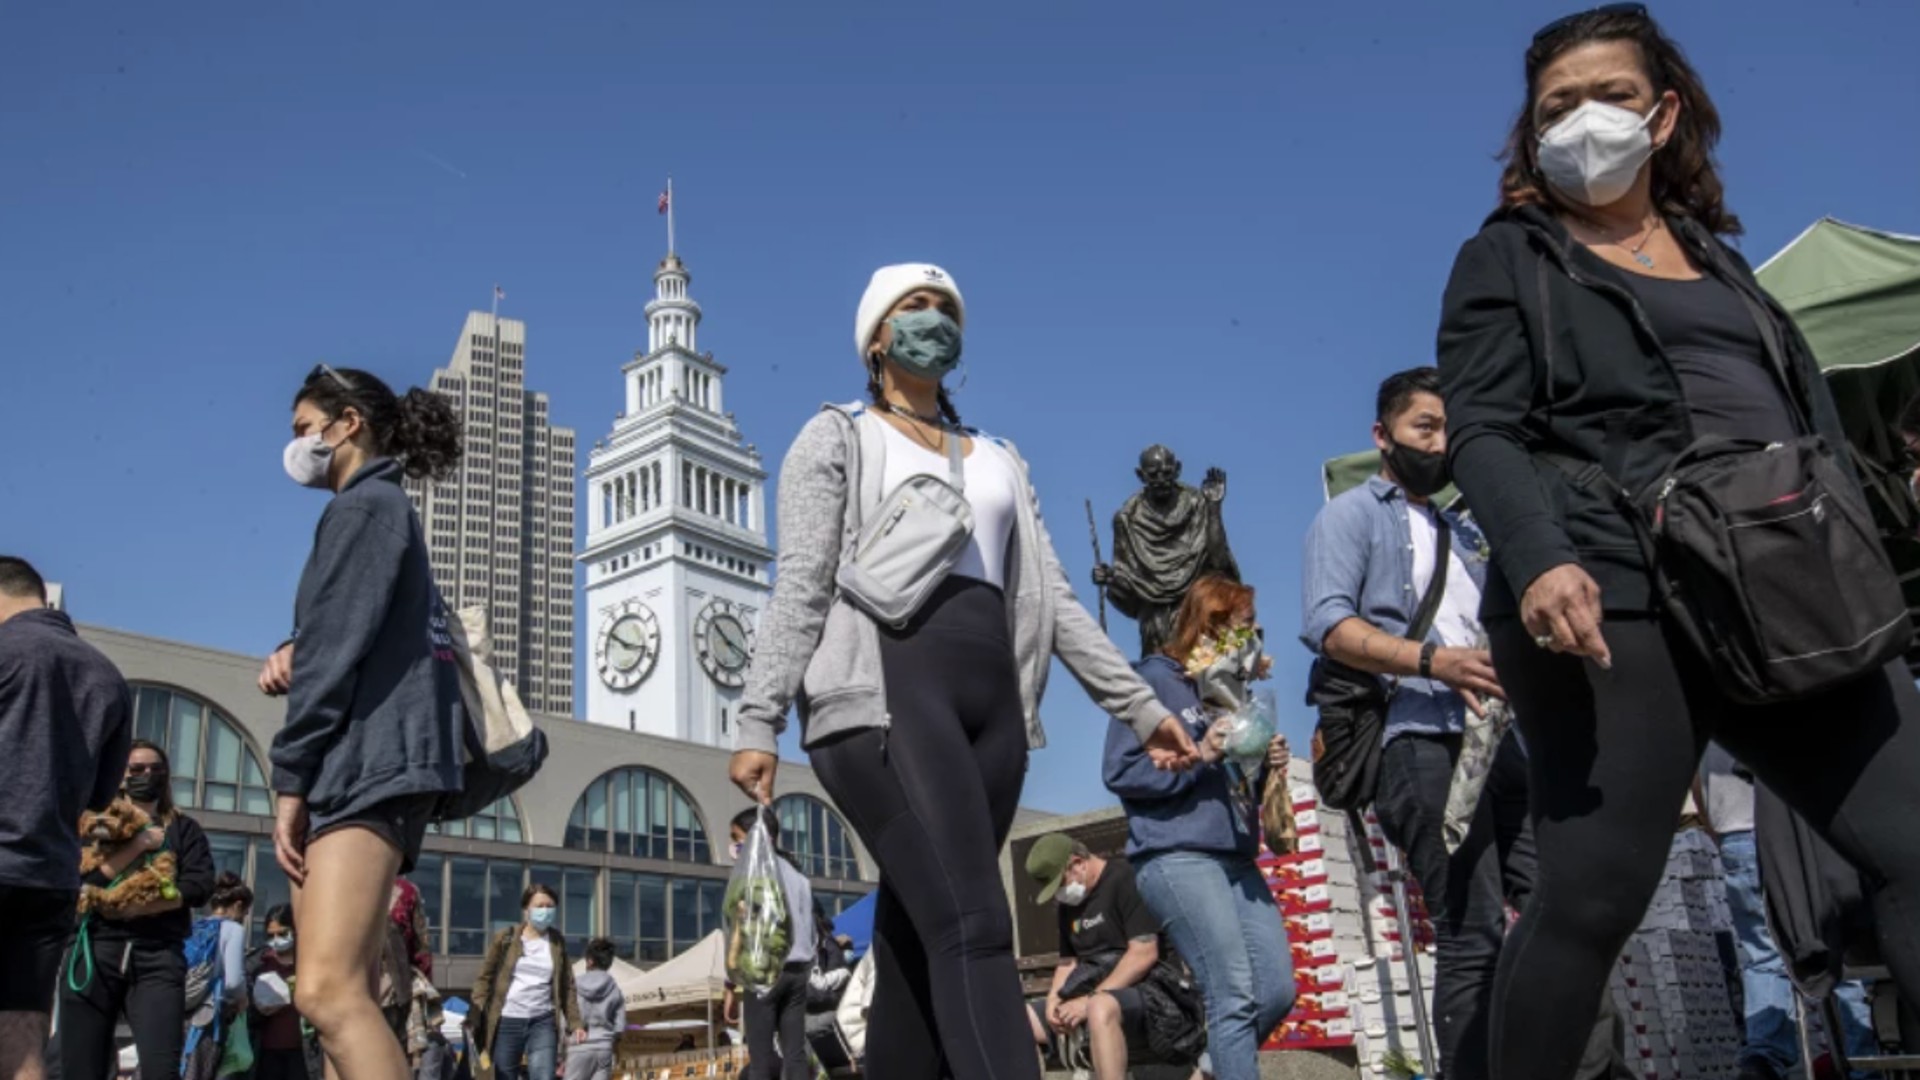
(1214, 225)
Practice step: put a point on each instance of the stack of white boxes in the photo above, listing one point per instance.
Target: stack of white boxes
(1353, 987)
(1670, 984)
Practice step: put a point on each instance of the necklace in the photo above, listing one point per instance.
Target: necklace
(1638, 256)
(903, 411)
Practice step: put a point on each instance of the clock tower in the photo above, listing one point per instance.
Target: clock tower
(676, 550)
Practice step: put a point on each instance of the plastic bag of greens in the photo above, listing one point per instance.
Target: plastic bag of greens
(759, 927)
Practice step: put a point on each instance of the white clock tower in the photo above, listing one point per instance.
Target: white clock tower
(676, 549)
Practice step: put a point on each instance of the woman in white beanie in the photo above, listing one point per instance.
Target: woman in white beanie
(920, 728)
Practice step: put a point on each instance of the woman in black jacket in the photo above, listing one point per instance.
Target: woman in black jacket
(131, 964)
(373, 734)
(1598, 316)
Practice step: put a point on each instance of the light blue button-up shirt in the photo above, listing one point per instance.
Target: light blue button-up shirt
(1359, 565)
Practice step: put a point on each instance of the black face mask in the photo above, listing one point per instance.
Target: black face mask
(146, 787)
(1420, 472)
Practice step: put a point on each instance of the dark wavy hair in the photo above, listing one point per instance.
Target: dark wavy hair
(419, 430)
(1686, 181)
(230, 892)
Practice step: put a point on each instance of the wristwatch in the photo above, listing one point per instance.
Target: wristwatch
(1426, 659)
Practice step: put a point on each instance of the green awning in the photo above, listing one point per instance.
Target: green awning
(1855, 293)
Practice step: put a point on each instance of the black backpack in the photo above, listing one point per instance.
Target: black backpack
(1766, 559)
(1352, 703)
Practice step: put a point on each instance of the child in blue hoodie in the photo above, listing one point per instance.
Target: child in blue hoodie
(1192, 843)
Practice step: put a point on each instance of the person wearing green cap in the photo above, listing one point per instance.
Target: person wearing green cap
(1109, 947)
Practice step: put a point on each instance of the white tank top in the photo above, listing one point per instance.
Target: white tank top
(992, 490)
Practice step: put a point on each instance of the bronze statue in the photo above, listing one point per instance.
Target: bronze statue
(1166, 537)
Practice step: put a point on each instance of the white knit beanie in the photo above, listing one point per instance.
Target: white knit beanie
(889, 284)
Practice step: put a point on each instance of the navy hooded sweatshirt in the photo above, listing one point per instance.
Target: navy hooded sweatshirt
(374, 712)
(66, 722)
(1177, 811)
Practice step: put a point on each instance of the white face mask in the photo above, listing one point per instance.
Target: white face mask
(1593, 154)
(309, 460)
(281, 944)
(1072, 894)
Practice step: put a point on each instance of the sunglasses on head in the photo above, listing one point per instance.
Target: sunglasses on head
(1635, 10)
(323, 370)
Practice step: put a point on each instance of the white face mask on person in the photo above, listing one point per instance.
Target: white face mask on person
(308, 459)
(1593, 153)
(1072, 894)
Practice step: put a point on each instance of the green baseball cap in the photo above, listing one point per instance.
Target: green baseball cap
(1047, 864)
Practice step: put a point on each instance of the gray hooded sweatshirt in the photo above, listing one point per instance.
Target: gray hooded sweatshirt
(603, 1008)
(816, 649)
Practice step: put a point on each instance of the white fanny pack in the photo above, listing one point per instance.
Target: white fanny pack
(909, 543)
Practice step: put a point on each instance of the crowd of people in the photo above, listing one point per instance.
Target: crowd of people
(1598, 336)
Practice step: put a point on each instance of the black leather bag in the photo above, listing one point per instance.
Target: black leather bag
(1352, 703)
(1766, 558)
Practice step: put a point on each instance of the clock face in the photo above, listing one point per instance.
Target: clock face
(628, 645)
(724, 637)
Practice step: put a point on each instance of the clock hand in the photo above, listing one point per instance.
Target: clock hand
(629, 644)
(735, 637)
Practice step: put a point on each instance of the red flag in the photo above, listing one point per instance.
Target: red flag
(666, 199)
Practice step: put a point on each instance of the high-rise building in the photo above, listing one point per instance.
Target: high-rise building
(676, 551)
(501, 528)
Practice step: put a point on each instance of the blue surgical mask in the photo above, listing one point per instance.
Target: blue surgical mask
(541, 918)
(925, 343)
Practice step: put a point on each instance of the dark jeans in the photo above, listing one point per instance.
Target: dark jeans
(537, 1037)
(781, 1011)
(1611, 757)
(933, 798)
(1465, 892)
(143, 982)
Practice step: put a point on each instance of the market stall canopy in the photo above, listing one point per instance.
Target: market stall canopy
(1854, 291)
(857, 923)
(694, 978)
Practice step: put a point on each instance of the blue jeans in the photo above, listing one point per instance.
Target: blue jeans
(1222, 920)
(537, 1037)
(1771, 1036)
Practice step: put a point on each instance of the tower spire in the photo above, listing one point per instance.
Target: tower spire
(666, 207)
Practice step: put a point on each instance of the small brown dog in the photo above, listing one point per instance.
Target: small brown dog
(148, 880)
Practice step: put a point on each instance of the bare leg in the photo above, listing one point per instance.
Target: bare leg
(1107, 1038)
(23, 1039)
(342, 915)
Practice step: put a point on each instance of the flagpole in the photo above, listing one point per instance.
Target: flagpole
(496, 311)
(670, 209)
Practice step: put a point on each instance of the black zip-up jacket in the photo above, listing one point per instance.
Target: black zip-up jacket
(1544, 349)
(374, 712)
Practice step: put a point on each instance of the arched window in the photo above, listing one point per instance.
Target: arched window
(817, 837)
(500, 821)
(641, 813)
(214, 767)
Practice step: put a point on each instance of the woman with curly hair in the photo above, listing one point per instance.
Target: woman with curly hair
(372, 740)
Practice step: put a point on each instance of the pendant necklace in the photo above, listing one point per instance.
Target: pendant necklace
(1639, 256)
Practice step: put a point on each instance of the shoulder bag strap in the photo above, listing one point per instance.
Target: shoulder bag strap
(956, 460)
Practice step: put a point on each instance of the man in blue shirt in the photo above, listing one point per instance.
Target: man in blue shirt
(1370, 559)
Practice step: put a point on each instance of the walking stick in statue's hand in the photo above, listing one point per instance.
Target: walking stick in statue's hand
(1093, 531)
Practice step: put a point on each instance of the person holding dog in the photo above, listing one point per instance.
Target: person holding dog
(128, 960)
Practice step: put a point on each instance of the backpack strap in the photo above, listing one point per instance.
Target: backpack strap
(1442, 559)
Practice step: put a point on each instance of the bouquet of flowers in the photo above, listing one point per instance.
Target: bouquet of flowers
(1225, 665)
(1224, 668)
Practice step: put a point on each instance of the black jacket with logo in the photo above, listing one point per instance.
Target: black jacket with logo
(374, 712)
(1543, 348)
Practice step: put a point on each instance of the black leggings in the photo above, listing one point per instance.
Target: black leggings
(933, 798)
(1611, 757)
(144, 982)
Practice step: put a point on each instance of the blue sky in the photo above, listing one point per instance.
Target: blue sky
(1213, 225)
